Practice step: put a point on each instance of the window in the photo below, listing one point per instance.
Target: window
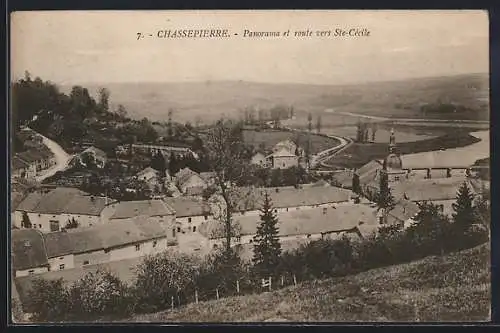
(40, 226)
(173, 232)
(31, 272)
(396, 178)
(61, 258)
(61, 266)
(189, 219)
(54, 225)
(154, 243)
(194, 228)
(283, 165)
(206, 217)
(85, 262)
(178, 229)
(138, 247)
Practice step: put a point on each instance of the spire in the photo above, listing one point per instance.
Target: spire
(392, 142)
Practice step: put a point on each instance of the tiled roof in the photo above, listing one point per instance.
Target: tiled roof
(15, 199)
(404, 210)
(303, 222)
(185, 206)
(98, 152)
(145, 171)
(130, 209)
(28, 250)
(18, 163)
(282, 197)
(428, 189)
(63, 200)
(106, 236)
(184, 175)
(283, 152)
(58, 244)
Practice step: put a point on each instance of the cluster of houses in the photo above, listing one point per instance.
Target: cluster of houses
(64, 232)
(284, 155)
(35, 159)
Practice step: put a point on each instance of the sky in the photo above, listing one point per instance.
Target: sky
(102, 47)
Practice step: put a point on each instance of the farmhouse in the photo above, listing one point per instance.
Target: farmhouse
(190, 183)
(283, 159)
(95, 154)
(50, 210)
(22, 169)
(149, 175)
(296, 227)
(189, 212)
(259, 159)
(144, 210)
(28, 254)
(289, 198)
(101, 244)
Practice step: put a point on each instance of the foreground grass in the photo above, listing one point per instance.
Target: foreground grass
(455, 287)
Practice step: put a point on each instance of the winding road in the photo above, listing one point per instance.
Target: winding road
(62, 158)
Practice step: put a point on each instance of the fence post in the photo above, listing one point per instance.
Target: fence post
(178, 300)
(217, 293)
(294, 280)
(196, 296)
(172, 302)
(238, 286)
(270, 284)
(282, 280)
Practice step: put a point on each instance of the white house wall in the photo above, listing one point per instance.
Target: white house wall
(93, 257)
(68, 261)
(128, 252)
(36, 270)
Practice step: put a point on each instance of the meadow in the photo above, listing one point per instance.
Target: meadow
(455, 287)
(210, 100)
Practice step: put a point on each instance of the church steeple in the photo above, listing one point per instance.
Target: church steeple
(392, 142)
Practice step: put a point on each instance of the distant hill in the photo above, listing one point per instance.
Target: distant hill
(455, 287)
(209, 100)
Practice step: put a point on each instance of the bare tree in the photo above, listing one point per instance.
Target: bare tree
(225, 157)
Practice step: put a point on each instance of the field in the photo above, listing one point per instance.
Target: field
(359, 154)
(269, 138)
(455, 287)
(209, 100)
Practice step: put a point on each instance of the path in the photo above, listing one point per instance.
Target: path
(62, 159)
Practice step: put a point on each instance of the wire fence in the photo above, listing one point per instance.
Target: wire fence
(238, 288)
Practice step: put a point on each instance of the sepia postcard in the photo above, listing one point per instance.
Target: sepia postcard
(249, 166)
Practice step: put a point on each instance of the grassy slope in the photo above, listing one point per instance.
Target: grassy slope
(451, 288)
(211, 99)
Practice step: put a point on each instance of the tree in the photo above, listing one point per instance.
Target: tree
(374, 131)
(121, 111)
(72, 224)
(384, 198)
(173, 164)
(99, 294)
(104, 100)
(49, 300)
(25, 222)
(267, 248)
(356, 188)
(225, 158)
(161, 276)
(158, 163)
(430, 234)
(464, 215)
(318, 124)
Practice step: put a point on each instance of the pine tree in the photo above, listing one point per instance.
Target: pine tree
(355, 184)
(384, 197)
(463, 215)
(267, 248)
(26, 223)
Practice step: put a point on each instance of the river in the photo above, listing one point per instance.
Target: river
(451, 157)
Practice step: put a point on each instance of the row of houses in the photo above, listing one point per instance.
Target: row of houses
(51, 210)
(35, 252)
(28, 164)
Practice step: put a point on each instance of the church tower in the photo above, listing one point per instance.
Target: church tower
(393, 165)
